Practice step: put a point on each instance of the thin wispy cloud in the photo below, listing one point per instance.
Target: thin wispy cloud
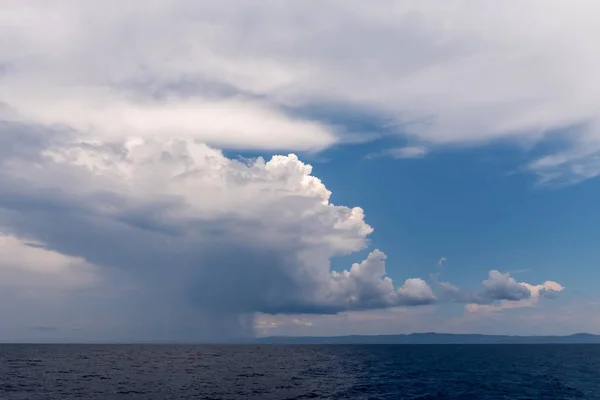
(400, 152)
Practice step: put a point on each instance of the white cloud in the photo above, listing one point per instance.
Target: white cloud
(224, 123)
(117, 73)
(365, 286)
(500, 292)
(445, 72)
(569, 166)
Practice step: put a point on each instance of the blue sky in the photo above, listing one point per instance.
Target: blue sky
(471, 207)
(192, 170)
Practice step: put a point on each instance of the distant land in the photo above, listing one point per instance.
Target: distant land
(431, 338)
(411, 338)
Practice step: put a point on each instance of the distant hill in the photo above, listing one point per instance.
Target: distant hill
(431, 338)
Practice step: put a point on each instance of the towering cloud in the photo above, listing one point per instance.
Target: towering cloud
(183, 225)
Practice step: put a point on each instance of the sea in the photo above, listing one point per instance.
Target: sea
(424, 372)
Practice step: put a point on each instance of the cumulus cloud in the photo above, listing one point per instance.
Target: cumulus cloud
(504, 287)
(365, 286)
(445, 72)
(176, 225)
(500, 291)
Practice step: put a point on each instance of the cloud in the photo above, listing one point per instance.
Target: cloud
(441, 261)
(151, 83)
(365, 286)
(500, 291)
(185, 237)
(504, 287)
(401, 152)
(445, 72)
(182, 243)
(570, 166)
(110, 123)
(225, 123)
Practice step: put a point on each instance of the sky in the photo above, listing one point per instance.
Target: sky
(179, 170)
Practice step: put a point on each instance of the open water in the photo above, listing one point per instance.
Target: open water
(162, 372)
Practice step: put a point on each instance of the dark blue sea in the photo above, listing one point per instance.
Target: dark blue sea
(52, 372)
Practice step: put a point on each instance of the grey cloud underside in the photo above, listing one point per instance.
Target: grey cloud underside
(452, 293)
(504, 287)
(219, 272)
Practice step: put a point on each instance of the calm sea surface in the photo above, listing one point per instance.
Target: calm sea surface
(108, 372)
